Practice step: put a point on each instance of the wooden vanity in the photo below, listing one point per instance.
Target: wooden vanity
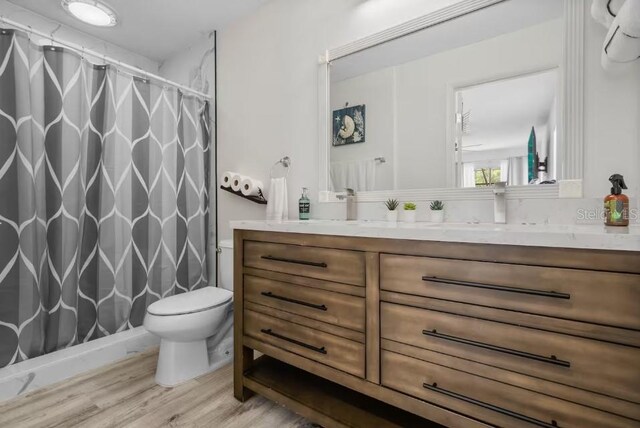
(372, 332)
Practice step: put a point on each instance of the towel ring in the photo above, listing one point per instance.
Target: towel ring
(285, 162)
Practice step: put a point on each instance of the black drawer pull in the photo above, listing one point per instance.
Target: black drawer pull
(297, 302)
(553, 294)
(294, 341)
(551, 360)
(434, 387)
(298, 262)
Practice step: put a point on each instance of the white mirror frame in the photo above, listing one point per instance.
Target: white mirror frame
(571, 101)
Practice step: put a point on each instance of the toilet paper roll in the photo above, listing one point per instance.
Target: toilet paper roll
(236, 182)
(251, 187)
(226, 179)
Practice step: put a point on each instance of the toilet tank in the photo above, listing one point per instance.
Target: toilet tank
(226, 264)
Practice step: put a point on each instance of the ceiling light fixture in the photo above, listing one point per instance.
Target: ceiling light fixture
(91, 12)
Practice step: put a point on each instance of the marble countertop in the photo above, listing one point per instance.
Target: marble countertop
(560, 236)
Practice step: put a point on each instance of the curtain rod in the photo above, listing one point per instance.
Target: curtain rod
(82, 51)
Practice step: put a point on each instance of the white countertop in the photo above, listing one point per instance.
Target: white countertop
(560, 236)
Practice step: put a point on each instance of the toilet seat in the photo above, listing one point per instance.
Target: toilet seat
(204, 299)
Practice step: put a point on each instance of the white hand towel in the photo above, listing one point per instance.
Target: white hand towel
(357, 175)
(236, 181)
(225, 181)
(251, 187)
(277, 205)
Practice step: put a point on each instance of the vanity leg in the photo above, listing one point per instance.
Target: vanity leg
(242, 356)
(242, 361)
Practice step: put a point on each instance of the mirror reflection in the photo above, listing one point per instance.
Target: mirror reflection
(507, 130)
(445, 108)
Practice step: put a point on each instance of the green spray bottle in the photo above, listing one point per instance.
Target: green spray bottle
(616, 205)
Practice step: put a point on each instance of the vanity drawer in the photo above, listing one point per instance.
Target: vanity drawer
(337, 352)
(323, 263)
(488, 400)
(599, 297)
(597, 366)
(334, 308)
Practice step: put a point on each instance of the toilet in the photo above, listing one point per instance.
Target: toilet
(186, 322)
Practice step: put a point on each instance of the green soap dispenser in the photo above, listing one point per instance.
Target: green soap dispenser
(304, 205)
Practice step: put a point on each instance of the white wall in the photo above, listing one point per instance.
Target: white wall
(268, 101)
(40, 23)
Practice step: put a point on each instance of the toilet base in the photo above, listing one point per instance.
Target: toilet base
(179, 362)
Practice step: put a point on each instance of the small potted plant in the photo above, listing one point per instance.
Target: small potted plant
(410, 212)
(392, 214)
(437, 211)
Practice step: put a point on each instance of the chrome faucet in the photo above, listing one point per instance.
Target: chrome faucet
(500, 202)
(352, 206)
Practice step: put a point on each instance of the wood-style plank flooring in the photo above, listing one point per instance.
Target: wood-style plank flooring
(124, 394)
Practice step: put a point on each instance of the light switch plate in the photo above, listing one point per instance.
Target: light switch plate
(570, 189)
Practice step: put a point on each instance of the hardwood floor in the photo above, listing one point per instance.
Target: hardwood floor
(124, 394)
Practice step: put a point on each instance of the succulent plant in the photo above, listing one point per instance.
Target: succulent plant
(409, 206)
(437, 206)
(392, 204)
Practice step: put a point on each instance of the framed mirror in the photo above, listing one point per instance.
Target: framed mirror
(446, 105)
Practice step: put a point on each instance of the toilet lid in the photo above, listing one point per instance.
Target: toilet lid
(193, 301)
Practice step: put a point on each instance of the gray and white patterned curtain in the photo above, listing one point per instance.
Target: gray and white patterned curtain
(103, 197)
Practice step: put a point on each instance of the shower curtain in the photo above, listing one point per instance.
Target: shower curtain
(103, 197)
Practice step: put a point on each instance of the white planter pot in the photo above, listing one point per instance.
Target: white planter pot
(437, 216)
(409, 216)
(392, 216)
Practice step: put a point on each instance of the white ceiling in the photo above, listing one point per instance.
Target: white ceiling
(156, 29)
(503, 112)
